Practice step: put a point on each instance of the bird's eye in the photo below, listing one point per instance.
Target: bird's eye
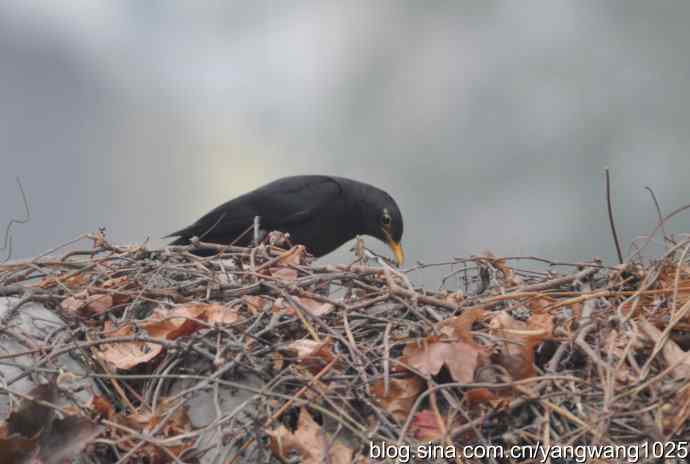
(386, 219)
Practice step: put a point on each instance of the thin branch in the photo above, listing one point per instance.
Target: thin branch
(660, 217)
(610, 209)
(7, 242)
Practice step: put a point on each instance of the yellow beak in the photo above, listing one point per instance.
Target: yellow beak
(397, 251)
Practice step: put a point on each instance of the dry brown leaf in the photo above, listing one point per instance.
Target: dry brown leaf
(72, 282)
(89, 303)
(186, 319)
(461, 326)
(455, 298)
(543, 322)
(520, 339)
(294, 257)
(538, 305)
(479, 395)
(175, 323)
(72, 305)
(255, 304)
(285, 273)
(98, 304)
(101, 406)
(278, 361)
(305, 347)
(280, 307)
(402, 393)
(509, 277)
(673, 354)
(312, 354)
(429, 355)
(667, 280)
(116, 283)
(75, 281)
(138, 420)
(315, 308)
(145, 421)
(176, 424)
(86, 305)
(308, 441)
(426, 426)
(162, 324)
(222, 315)
(128, 354)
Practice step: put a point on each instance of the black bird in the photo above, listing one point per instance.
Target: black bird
(319, 212)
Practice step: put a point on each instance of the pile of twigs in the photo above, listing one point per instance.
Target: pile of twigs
(344, 363)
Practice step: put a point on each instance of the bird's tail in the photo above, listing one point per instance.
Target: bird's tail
(183, 241)
(180, 241)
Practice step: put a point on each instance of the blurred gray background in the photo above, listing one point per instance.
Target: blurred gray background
(490, 122)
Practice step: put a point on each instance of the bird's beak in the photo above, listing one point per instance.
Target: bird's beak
(397, 251)
(395, 247)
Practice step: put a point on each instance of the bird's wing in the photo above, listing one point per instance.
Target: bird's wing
(284, 202)
(294, 200)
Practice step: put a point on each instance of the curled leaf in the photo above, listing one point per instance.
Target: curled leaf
(309, 442)
(402, 394)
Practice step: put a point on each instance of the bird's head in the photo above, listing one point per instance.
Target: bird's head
(384, 221)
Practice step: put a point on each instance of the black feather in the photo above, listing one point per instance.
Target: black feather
(320, 212)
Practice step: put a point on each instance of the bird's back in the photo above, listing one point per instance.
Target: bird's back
(313, 209)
